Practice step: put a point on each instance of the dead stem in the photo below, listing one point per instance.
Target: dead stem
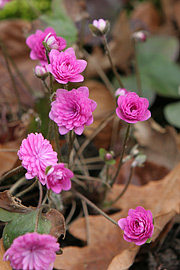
(20, 194)
(90, 178)
(85, 210)
(71, 213)
(12, 172)
(82, 197)
(40, 194)
(17, 184)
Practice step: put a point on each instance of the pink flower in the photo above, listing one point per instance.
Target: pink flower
(100, 24)
(36, 154)
(64, 66)
(132, 108)
(121, 92)
(72, 110)
(58, 178)
(32, 251)
(3, 3)
(138, 226)
(34, 42)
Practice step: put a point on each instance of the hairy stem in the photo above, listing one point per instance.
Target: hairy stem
(122, 154)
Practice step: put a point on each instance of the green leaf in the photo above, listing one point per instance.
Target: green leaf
(23, 223)
(158, 72)
(61, 22)
(148, 241)
(102, 153)
(110, 162)
(172, 112)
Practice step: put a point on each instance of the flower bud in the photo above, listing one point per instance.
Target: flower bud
(139, 36)
(109, 156)
(41, 72)
(120, 92)
(51, 41)
(99, 27)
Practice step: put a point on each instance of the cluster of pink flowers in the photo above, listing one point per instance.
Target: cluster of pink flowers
(138, 226)
(32, 251)
(72, 110)
(132, 108)
(37, 154)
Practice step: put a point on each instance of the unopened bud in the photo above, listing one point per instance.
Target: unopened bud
(108, 156)
(99, 27)
(120, 92)
(41, 72)
(51, 41)
(139, 36)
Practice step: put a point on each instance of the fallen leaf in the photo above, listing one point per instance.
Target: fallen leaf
(107, 249)
(105, 105)
(146, 16)
(8, 158)
(161, 145)
(4, 265)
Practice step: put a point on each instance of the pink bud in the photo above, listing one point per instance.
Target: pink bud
(51, 41)
(139, 36)
(120, 92)
(41, 71)
(108, 156)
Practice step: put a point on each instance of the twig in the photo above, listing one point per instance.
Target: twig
(85, 210)
(90, 178)
(71, 213)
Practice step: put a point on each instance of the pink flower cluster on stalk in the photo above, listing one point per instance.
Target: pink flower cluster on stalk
(58, 178)
(34, 42)
(138, 226)
(72, 110)
(64, 66)
(132, 108)
(32, 251)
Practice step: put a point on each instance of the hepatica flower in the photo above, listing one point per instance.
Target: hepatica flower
(64, 66)
(138, 226)
(72, 110)
(34, 42)
(36, 154)
(58, 178)
(132, 108)
(32, 251)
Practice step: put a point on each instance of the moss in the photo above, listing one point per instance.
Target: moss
(25, 9)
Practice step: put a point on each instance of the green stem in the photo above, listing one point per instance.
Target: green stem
(110, 60)
(40, 194)
(122, 154)
(94, 207)
(137, 72)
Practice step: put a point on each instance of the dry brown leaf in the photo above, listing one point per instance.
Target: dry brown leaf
(107, 246)
(159, 144)
(8, 159)
(4, 265)
(146, 16)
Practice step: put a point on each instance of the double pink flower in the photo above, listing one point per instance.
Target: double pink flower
(64, 66)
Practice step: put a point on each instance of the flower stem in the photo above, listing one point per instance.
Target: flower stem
(122, 154)
(110, 60)
(40, 194)
(94, 207)
(72, 136)
(137, 72)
